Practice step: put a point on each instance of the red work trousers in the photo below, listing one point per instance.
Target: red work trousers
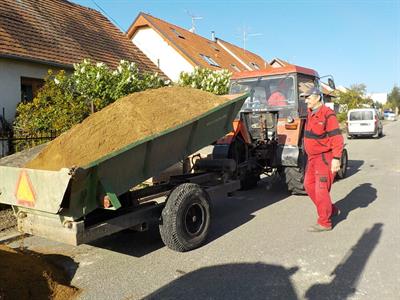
(317, 183)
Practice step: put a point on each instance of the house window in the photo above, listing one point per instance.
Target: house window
(210, 61)
(30, 88)
(177, 33)
(255, 66)
(235, 67)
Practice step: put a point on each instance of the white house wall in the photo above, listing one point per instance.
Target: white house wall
(161, 53)
(11, 72)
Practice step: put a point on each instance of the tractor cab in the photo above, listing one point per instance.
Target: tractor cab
(268, 133)
(276, 89)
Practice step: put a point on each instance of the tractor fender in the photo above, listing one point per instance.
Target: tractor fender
(238, 128)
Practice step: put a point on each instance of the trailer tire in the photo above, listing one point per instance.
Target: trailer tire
(186, 218)
(294, 180)
(343, 165)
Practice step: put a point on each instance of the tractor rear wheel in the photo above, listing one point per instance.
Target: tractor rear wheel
(294, 179)
(186, 218)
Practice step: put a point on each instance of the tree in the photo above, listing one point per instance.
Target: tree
(354, 97)
(359, 88)
(216, 82)
(394, 98)
(378, 105)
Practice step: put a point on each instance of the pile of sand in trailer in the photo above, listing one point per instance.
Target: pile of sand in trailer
(29, 276)
(127, 120)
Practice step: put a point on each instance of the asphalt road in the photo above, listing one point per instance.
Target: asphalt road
(259, 247)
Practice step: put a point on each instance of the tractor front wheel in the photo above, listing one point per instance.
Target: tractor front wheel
(343, 165)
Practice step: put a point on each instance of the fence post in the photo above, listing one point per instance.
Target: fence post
(11, 147)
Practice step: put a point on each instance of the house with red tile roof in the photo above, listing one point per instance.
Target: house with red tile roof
(174, 49)
(37, 35)
(248, 59)
(278, 63)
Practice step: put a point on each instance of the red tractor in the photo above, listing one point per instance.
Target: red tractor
(268, 134)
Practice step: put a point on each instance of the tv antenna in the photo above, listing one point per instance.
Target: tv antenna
(194, 18)
(245, 36)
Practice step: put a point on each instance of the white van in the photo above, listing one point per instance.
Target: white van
(363, 122)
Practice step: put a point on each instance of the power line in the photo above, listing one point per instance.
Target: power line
(104, 12)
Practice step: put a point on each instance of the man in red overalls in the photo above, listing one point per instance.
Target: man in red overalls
(323, 143)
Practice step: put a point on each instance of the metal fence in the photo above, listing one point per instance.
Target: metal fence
(11, 142)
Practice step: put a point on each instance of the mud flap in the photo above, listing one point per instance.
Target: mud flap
(35, 189)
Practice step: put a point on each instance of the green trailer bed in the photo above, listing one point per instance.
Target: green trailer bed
(67, 196)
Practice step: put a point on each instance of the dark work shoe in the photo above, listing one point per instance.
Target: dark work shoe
(319, 228)
(335, 212)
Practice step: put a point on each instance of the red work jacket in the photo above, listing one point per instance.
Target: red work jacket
(322, 133)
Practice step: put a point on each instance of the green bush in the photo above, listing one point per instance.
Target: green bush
(66, 100)
(216, 82)
(342, 117)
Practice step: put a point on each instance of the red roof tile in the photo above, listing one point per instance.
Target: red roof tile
(58, 32)
(190, 45)
(246, 56)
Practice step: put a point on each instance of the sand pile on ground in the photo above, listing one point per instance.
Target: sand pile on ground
(127, 120)
(29, 276)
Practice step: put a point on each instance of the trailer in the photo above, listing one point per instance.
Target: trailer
(82, 204)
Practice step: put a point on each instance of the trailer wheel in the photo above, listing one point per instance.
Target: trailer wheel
(343, 165)
(294, 180)
(186, 218)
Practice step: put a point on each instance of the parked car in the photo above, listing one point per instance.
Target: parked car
(364, 122)
(389, 115)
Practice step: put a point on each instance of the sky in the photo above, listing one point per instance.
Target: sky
(356, 41)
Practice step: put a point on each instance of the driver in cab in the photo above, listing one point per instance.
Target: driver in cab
(280, 94)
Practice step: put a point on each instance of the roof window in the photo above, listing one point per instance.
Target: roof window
(214, 47)
(255, 66)
(235, 67)
(210, 61)
(177, 33)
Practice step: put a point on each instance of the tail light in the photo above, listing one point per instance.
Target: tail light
(291, 126)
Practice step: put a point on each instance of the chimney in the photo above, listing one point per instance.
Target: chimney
(213, 36)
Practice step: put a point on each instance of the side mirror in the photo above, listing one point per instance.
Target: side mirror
(302, 105)
(331, 84)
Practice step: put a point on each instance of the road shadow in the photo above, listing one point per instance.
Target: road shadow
(360, 197)
(231, 281)
(347, 274)
(132, 242)
(228, 214)
(265, 281)
(353, 167)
